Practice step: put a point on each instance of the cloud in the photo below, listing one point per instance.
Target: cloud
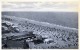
(40, 6)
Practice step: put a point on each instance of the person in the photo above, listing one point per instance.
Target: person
(5, 46)
(31, 34)
(25, 45)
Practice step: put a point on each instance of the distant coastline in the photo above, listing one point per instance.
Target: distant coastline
(69, 19)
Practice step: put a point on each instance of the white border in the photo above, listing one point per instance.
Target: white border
(38, 1)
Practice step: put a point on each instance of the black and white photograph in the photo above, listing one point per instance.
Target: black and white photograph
(39, 30)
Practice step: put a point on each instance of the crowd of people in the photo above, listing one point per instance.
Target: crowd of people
(62, 37)
(69, 38)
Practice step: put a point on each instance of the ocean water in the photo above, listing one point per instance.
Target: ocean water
(69, 19)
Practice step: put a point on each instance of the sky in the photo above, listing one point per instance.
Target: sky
(40, 6)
